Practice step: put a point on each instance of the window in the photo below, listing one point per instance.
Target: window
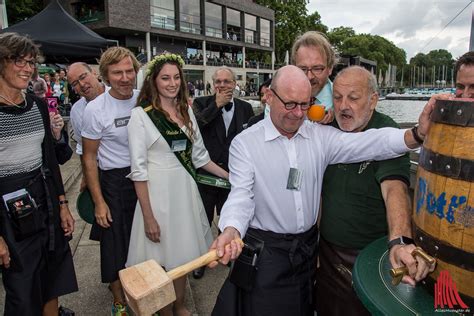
(213, 20)
(233, 25)
(190, 16)
(163, 14)
(265, 39)
(250, 29)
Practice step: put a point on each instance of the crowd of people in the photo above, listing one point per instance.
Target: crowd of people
(158, 169)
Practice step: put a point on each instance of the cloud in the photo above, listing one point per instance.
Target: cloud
(410, 24)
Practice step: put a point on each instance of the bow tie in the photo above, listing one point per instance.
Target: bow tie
(228, 106)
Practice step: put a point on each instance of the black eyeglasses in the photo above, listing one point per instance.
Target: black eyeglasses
(21, 62)
(80, 79)
(315, 70)
(291, 104)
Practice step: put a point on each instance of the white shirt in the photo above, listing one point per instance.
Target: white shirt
(259, 163)
(106, 118)
(228, 115)
(77, 111)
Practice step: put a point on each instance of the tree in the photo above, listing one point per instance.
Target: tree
(428, 68)
(19, 10)
(339, 34)
(374, 47)
(291, 20)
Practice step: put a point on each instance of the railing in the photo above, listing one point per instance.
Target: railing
(189, 27)
(213, 32)
(163, 22)
(92, 17)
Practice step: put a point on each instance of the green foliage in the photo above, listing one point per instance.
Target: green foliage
(339, 34)
(291, 20)
(19, 10)
(427, 68)
(374, 47)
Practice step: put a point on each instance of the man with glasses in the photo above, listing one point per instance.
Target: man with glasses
(276, 171)
(362, 202)
(85, 83)
(220, 117)
(312, 53)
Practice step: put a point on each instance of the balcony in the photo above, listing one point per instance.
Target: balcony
(91, 16)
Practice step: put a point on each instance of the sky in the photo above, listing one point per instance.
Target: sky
(409, 24)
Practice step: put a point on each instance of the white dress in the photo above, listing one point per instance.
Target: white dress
(174, 196)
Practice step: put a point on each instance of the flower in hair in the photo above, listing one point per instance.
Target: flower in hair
(161, 59)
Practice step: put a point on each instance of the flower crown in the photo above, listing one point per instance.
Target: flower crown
(161, 59)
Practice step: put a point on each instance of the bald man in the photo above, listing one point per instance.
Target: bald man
(86, 84)
(276, 171)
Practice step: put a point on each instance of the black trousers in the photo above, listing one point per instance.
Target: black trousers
(119, 194)
(283, 282)
(335, 295)
(212, 197)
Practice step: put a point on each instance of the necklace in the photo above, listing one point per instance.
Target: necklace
(13, 103)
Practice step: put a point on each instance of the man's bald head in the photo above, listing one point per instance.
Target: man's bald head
(289, 85)
(290, 77)
(84, 81)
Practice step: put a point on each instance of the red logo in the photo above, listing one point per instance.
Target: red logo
(446, 295)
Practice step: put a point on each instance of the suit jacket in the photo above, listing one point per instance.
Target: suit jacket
(211, 125)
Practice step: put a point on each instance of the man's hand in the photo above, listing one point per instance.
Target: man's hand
(418, 268)
(67, 221)
(227, 248)
(102, 215)
(223, 96)
(4, 254)
(328, 117)
(424, 119)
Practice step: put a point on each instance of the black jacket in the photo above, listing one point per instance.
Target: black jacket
(211, 125)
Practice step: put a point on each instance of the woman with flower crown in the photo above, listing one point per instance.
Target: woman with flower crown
(166, 147)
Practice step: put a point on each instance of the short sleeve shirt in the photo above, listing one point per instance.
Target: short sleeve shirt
(105, 118)
(353, 209)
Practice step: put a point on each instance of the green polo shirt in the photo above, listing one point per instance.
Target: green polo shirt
(353, 209)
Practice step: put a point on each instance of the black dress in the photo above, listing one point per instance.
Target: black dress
(41, 264)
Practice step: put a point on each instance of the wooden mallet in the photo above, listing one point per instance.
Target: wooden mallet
(148, 287)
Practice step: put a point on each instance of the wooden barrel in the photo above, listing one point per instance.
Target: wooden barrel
(443, 207)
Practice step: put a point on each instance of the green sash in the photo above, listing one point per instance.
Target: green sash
(171, 132)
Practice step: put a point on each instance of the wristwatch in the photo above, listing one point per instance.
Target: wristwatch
(402, 240)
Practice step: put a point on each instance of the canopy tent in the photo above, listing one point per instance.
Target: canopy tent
(62, 38)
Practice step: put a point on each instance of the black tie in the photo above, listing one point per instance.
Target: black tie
(228, 106)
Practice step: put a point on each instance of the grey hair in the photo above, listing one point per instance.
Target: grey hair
(221, 69)
(371, 80)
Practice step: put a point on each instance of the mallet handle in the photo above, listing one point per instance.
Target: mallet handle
(202, 261)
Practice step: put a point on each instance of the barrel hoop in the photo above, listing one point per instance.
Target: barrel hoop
(451, 167)
(443, 251)
(452, 112)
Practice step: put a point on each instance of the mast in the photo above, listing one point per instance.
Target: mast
(471, 42)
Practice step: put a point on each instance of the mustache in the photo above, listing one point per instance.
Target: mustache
(314, 81)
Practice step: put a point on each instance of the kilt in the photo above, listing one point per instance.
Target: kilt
(283, 281)
(119, 194)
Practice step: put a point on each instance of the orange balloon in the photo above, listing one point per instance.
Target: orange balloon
(316, 112)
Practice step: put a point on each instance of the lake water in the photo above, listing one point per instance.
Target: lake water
(400, 110)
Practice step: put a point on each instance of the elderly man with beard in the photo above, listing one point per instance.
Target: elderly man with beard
(361, 202)
(85, 83)
(276, 171)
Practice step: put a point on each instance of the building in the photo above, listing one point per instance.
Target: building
(208, 34)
